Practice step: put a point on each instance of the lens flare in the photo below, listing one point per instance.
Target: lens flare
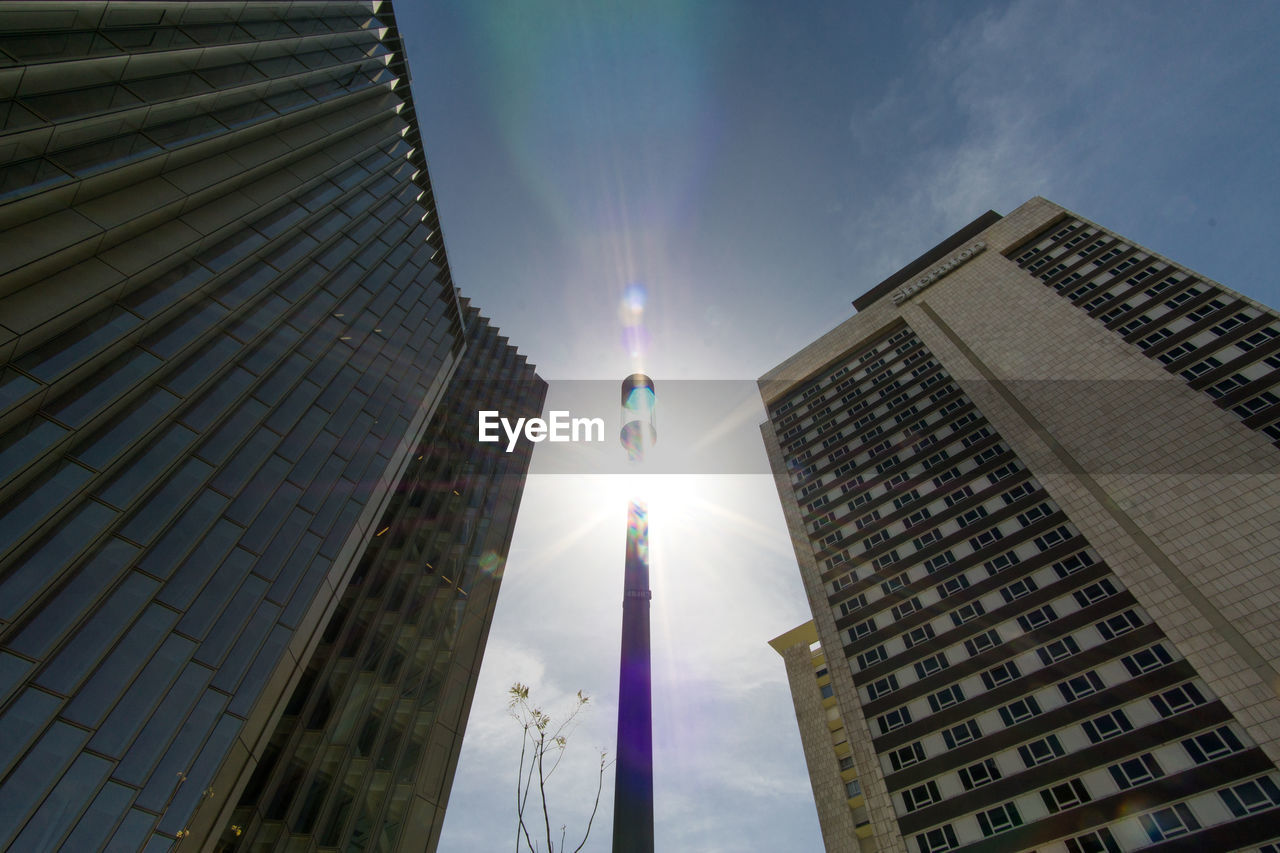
(490, 563)
(636, 340)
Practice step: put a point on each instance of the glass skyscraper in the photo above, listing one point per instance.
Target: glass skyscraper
(242, 523)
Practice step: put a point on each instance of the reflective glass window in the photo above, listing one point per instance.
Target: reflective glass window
(186, 535)
(62, 612)
(25, 442)
(214, 402)
(178, 756)
(52, 359)
(59, 106)
(29, 507)
(26, 716)
(99, 156)
(202, 364)
(126, 485)
(97, 695)
(157, 509)
(204, 560)
(48, 824)
(97, 634)
(28, 783)
(43, 562)
(136, 704)
(177, 334)
(163, 724)
(14, 386)
(103, 387)
(100, 817)
(108, 442)
(29, 176)
(152, 298)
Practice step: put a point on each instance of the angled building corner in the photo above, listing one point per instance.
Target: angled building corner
(236, 376)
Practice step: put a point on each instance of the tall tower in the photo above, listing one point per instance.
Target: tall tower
(633, 785)
(230, 352)
(1031, 486)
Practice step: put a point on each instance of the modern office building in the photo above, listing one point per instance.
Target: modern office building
(837, 791)
(241, 527)
(1032, 488)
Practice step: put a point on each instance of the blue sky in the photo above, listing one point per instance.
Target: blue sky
(755, 166)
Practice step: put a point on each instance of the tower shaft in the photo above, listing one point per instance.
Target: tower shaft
(633, 786)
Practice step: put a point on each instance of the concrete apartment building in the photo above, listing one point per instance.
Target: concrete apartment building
(1032, 488)
(248, 548)
(837, 791)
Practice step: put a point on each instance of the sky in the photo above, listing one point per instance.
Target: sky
(749, 168)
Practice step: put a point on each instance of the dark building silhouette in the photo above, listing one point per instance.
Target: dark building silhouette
(242, 521)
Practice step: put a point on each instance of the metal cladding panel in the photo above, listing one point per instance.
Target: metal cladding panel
(226, 317)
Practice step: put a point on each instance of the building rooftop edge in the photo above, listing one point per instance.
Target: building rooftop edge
(937, 253)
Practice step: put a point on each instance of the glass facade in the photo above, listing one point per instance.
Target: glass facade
(226, 323)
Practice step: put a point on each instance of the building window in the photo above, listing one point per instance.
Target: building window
(1135, 771)
(931, 665)
(999, 819)
(959, 735)
(866, 660)
(1018, 589)
(953, 586)
(852, 788)
(894, 583)
(979, 644)
(937, 840)
(906, 756)
(1032, 515)
(862, 629)
(1053, 537)
(979, 774)
(851, 605)
(1058, 650)
(846, 762)
(1121, 623)
(1020, 711)
(1037, 618)
(882, 687)
(1098, 841)
(1177, 700)
(996, 565)
(916, 636)
(1084, 684)
(921, 796)
(1094, 592)
(1146, 660)
(1072, 564)
(911, 605)
(1256, 796)
(1212, 745)
(967, 612)
(946, 697)
(1064, 796)
(1002, 674)
(827, 691)
(895, 719)
(933, 564)
(1107, 726)
(982, 540)
(1169, 823)
(1039, 751)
